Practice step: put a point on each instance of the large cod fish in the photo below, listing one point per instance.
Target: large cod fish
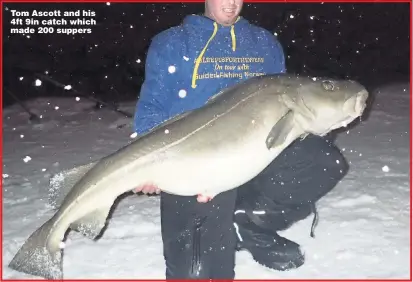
(215, 148)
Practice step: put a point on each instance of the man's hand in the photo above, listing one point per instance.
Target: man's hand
(148, 188)
(203, 199)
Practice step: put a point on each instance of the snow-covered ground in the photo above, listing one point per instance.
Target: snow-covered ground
(363, 230)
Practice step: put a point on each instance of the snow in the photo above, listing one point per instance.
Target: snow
(385, 168)
(363, 229)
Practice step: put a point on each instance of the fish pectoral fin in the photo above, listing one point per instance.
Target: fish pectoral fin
(280, 131)
(40, 255)
(62, 182)
(92, 223)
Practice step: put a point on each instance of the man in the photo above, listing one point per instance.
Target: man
(185, 66)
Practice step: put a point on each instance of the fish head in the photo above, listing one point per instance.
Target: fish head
(322, 105)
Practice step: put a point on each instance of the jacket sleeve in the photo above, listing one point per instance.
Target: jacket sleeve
(152, 107)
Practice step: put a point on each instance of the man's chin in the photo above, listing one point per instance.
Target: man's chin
(229, 20)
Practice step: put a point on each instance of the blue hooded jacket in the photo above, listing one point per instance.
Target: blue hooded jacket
(189, 63)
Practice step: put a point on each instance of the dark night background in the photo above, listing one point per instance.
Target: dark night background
(364, 41)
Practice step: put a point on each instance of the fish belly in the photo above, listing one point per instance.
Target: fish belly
(211, 172)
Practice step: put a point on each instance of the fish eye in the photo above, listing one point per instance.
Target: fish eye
(328, 85)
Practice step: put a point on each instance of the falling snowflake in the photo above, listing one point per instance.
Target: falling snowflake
(27, 159)
(171, 69)
(62, 245)
(38, 82)
(182, 93)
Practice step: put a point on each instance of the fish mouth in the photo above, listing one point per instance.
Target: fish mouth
(361, 102)
(356, 105)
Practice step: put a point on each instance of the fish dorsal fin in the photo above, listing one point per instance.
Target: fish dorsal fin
(61, 183)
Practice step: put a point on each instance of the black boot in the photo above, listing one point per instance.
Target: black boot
(267, 247)
(257, 228)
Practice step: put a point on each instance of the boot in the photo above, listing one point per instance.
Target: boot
(257, 233)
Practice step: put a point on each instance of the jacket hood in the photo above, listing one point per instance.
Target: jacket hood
(205, 24)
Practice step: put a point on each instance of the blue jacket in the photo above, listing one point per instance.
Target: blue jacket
(189, 63)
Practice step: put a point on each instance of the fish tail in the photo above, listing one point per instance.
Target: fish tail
(40, 255)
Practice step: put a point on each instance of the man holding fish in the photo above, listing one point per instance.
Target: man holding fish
(185, 66)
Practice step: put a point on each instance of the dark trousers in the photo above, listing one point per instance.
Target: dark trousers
(200, 240)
